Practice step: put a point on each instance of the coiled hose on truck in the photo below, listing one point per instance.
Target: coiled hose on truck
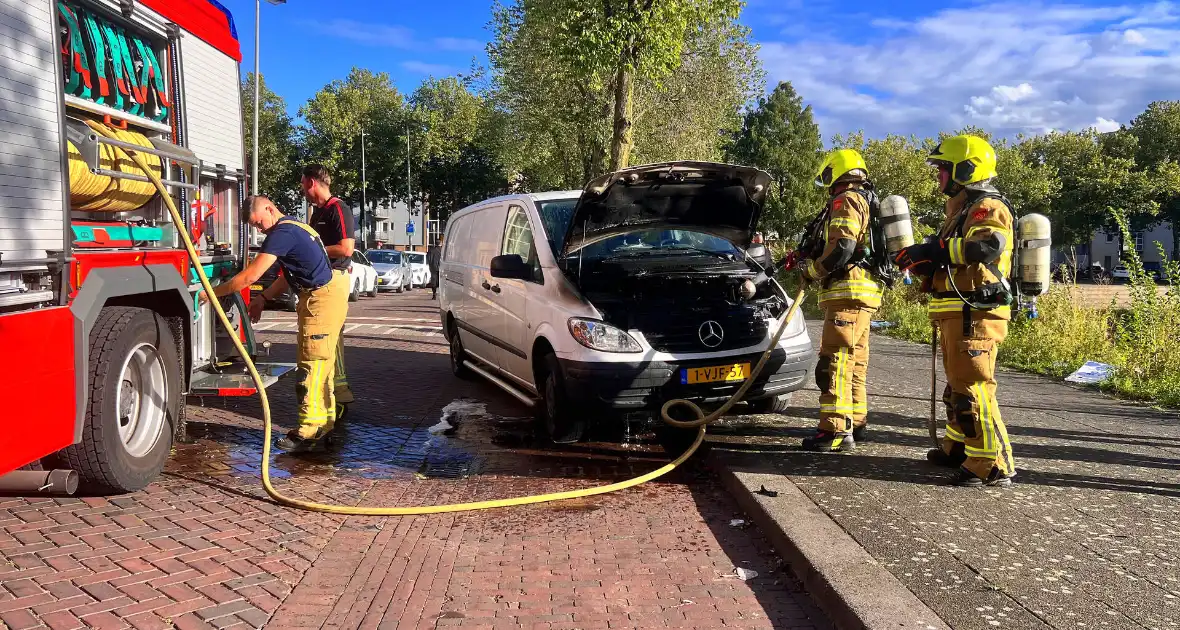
(699, 423)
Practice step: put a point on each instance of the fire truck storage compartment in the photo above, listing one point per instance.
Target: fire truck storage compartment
(37, 369)
(31, 170)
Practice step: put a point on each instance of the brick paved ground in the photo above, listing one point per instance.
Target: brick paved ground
(1086, 538)
(203, 547)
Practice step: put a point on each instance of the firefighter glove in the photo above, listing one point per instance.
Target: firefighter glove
(807, 271)
(922, 259)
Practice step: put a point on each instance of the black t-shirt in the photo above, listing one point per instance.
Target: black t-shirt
(334, 222)
(301, 254)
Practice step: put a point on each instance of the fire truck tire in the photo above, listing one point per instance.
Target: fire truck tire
(128, 435)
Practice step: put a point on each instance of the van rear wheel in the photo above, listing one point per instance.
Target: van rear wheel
(458, 356)
(564, 422)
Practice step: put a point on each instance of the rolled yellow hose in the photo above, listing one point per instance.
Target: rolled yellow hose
(423, 509)
(90, 192)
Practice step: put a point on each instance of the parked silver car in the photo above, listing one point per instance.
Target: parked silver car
(393, 270)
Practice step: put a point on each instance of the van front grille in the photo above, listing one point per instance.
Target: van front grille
(682, 333)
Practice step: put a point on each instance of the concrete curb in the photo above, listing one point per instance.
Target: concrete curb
(848, 583)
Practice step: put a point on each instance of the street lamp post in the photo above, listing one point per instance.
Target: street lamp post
(257, 91)
(409, 194)
(364, 187)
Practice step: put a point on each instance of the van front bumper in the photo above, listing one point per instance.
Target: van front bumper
(647, 385)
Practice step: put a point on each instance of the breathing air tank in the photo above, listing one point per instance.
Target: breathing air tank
(895, 222)
(1032, 264)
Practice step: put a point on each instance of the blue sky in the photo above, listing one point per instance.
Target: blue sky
(885, 67)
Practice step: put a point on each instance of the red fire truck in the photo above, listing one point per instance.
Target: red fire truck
(101, 335)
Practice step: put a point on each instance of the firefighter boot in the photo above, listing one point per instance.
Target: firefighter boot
(860, 433)
(996, 478)
(824, 441)
(293, 443)
(952, 459)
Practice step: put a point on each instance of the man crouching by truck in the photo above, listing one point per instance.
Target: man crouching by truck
(322, 310)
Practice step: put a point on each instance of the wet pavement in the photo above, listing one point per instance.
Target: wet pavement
(204, 547)
(1086, 538)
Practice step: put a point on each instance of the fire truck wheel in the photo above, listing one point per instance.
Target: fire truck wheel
(134, 403)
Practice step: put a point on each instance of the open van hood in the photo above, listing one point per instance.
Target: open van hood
(719, 199)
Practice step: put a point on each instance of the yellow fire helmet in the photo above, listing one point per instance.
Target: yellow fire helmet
(839, 163)
(970, 158)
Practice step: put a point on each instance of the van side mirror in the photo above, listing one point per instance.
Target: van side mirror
(511, 266)
(761, 255)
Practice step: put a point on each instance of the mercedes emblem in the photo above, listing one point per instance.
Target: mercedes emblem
(711, 334)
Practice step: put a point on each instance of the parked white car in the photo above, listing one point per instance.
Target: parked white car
(421, 277)
(393, 271)
(363, 277)
(635, 291)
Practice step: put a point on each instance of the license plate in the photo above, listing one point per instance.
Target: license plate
(256, 287)
(380, 280)
(720, 373)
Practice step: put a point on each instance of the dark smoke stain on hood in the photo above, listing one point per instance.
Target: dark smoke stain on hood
(719, 199)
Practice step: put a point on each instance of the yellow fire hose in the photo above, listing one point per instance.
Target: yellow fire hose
(700, 423)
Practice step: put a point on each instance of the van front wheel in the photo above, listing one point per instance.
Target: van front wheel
(564, 422)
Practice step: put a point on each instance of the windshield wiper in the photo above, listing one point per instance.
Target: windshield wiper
(724, 255)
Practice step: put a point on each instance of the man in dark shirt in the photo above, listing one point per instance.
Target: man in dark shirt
(304, 262)
(332, 219)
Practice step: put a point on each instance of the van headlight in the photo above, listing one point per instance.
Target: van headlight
(795, 326)
(601, 336)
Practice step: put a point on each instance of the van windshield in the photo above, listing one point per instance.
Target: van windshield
(661, 243)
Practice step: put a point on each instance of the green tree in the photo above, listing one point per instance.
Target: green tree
(338, 113)
(689, 114)
(278, 155)
(552, 124)
(613, 43)
(1092, 183)
(1157, 131)
(781, 137)
(583, 82)
(457, 165)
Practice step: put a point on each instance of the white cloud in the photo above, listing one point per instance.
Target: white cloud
(1134, 37)
(459, 44)
(432, 69)
(1103, 125)
(367, 33)
(1010, 67)
(392, 36)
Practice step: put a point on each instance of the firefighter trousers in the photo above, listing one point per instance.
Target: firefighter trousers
(842, 367)
(321, 318)
(972, 413)
(340, 380)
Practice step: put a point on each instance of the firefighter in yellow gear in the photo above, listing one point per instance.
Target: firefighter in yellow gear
(848, 295)
(967, 266)
(323, 306)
